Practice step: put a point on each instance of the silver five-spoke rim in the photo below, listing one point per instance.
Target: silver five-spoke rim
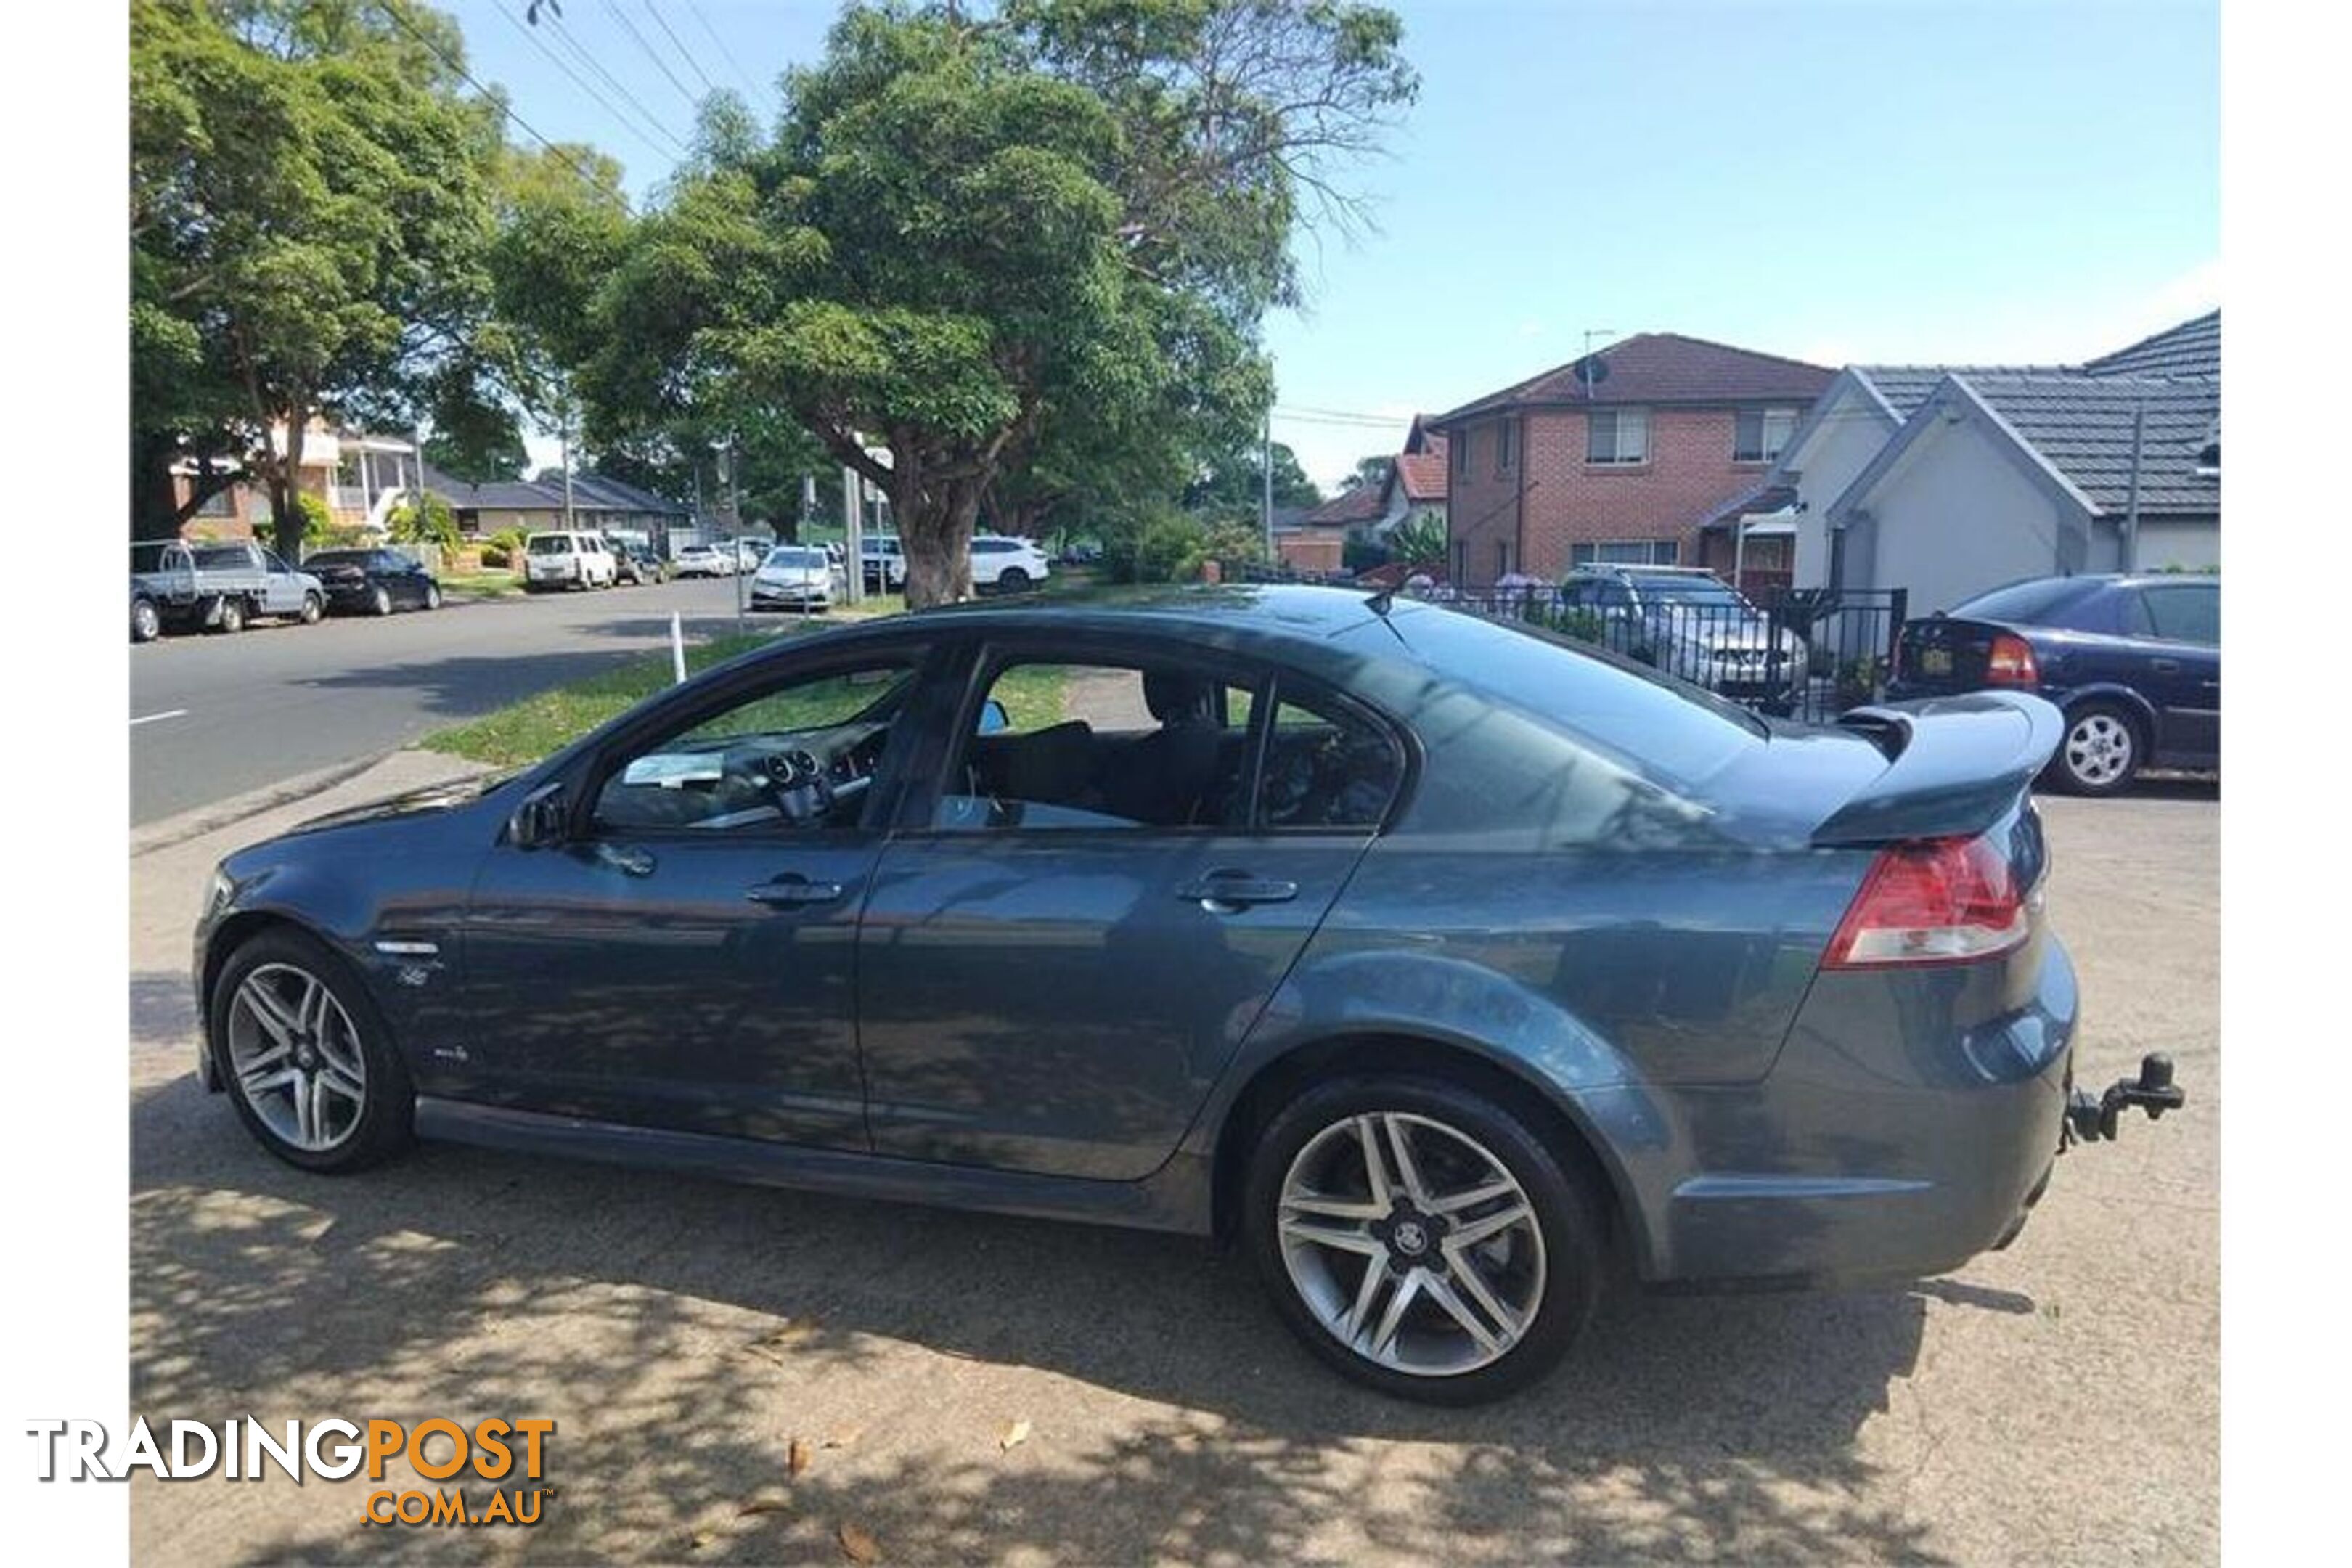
(2098, 748)
(296, 1057)
(1411, 1244)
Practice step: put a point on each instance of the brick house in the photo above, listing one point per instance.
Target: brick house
(1623, 455)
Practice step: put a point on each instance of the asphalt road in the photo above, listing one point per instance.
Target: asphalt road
(747, 1376)
(215, 716)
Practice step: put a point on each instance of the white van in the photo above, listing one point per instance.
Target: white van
(572, 559)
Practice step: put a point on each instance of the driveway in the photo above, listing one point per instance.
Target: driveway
(217, 716)
(2057, 1402)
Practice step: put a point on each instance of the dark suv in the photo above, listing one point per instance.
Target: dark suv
(2134, 662)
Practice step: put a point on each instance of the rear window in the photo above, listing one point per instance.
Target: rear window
(2038, 602)
(551, 544)
(1676, 732)
(337, 558)
(224, 555)
(797, 559)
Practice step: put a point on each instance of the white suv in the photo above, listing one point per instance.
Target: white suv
(1008, 565)
(567, 560)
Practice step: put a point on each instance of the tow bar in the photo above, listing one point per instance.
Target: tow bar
(2089, 1118)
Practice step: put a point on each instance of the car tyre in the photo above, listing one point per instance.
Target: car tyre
(314, 609)
(363, 1107)
(380, 601)
(432, 595)
(2102, 752)
(231, 619)
(1011, 580)
(146, 624)
(1537, 1253)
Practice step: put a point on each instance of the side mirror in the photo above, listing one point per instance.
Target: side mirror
(993, 718)
(540, 820)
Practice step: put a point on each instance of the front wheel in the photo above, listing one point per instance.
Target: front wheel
(306, 1056)
(1419, 1236)
(432, 595)
(380, 602)
(2100, 753)
(313, 607)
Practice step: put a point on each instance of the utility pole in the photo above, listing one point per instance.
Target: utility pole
(1267, 477)
(853, 534)
(2131, 504)
(569, 524)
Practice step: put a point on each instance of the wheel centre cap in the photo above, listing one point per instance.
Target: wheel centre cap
(1410, 1237)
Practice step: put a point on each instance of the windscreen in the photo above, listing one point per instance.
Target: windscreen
(551, 544)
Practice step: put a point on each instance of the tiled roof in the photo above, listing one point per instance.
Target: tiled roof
(1363, 504)
(1422, 475)
(2193, 348)
(1660, 367)
(2081, 425)
(610, 493)
(1905, 386)
(590, 493)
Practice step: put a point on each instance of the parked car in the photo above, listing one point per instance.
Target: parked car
(703, 561)
(638, 564)
(793, 577)
(2134, 662)
(219, 586)
(749, 552)
(884, 562)
(375, 582)
(1435, 960)
(1007, 565)
(576, 559)
(1690, 622)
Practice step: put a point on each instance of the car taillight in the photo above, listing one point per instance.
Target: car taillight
(2010, 663)
(1936, 900)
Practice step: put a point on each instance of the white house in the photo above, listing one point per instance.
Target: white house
(1947, 481)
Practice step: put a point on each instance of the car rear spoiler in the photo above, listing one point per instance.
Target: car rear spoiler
(1954, 765)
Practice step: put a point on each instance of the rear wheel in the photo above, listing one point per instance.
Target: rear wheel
(432, 595)
(146, 625)
(232, 616)
(2102, 751)
(380, 601)
(1419, 1236)
(306, 1055)
(1011, 580)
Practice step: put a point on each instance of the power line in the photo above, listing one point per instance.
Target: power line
(647, 50)
(677, 150)
(390, 9)
(724, 52)
(620, 89)
(691, 63)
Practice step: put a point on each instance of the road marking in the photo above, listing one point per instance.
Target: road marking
(150, 719)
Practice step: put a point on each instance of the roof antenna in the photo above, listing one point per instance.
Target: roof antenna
(1379, 602)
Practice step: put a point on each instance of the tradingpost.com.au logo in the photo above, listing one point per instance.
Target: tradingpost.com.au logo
(502, 1452)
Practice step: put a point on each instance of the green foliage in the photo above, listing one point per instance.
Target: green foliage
(309, 218)
(433, 523)
(1232, 484)
(317, 521)
(1419, 540)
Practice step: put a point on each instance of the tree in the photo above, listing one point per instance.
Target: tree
(1368, 471)
(1419, 540)
(1234, 485)
(309, 215)
(994, 252)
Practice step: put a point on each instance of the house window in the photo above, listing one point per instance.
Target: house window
(1758, 434)
(1502, 448)
(1461, 453)
(1618, 437)
(1626, 553)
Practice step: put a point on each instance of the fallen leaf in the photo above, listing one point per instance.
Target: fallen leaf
(764, 1505)
(700, 1539)
(858, 1545)
(1015, 1433)
(796, 1459)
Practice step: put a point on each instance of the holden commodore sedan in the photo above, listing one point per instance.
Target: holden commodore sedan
(1435, 962)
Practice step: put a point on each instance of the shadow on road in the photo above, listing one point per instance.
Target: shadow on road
(456, 1280)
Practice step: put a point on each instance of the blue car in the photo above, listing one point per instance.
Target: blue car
(1438, 963)
(2133, 662)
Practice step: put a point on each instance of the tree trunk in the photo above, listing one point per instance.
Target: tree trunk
(154, 507)
(935, 533)
(290, 523)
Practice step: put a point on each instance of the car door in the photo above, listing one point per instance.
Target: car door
(282, 591)
(1065, 944)
(683, 956)
(2183, 668)
(403, 577)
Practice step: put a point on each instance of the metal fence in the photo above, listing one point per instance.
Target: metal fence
(1808, 654)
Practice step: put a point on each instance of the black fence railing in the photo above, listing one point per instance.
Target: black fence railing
(1800, 653)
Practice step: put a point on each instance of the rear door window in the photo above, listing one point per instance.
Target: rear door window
(2186, 612)
(1325, 766)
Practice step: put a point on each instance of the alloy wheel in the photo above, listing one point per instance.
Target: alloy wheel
(295, 1058)
(2099, 750)
(1411, 1244)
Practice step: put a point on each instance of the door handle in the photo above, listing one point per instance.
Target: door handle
(2165, 665)
(1222, 892)
(626, 857)
(786, 893)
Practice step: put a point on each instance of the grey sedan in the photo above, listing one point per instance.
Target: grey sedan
(1434, 961)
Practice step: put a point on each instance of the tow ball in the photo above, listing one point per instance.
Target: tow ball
(2091, 1118)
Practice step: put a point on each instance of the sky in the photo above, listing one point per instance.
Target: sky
(1842, 181)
